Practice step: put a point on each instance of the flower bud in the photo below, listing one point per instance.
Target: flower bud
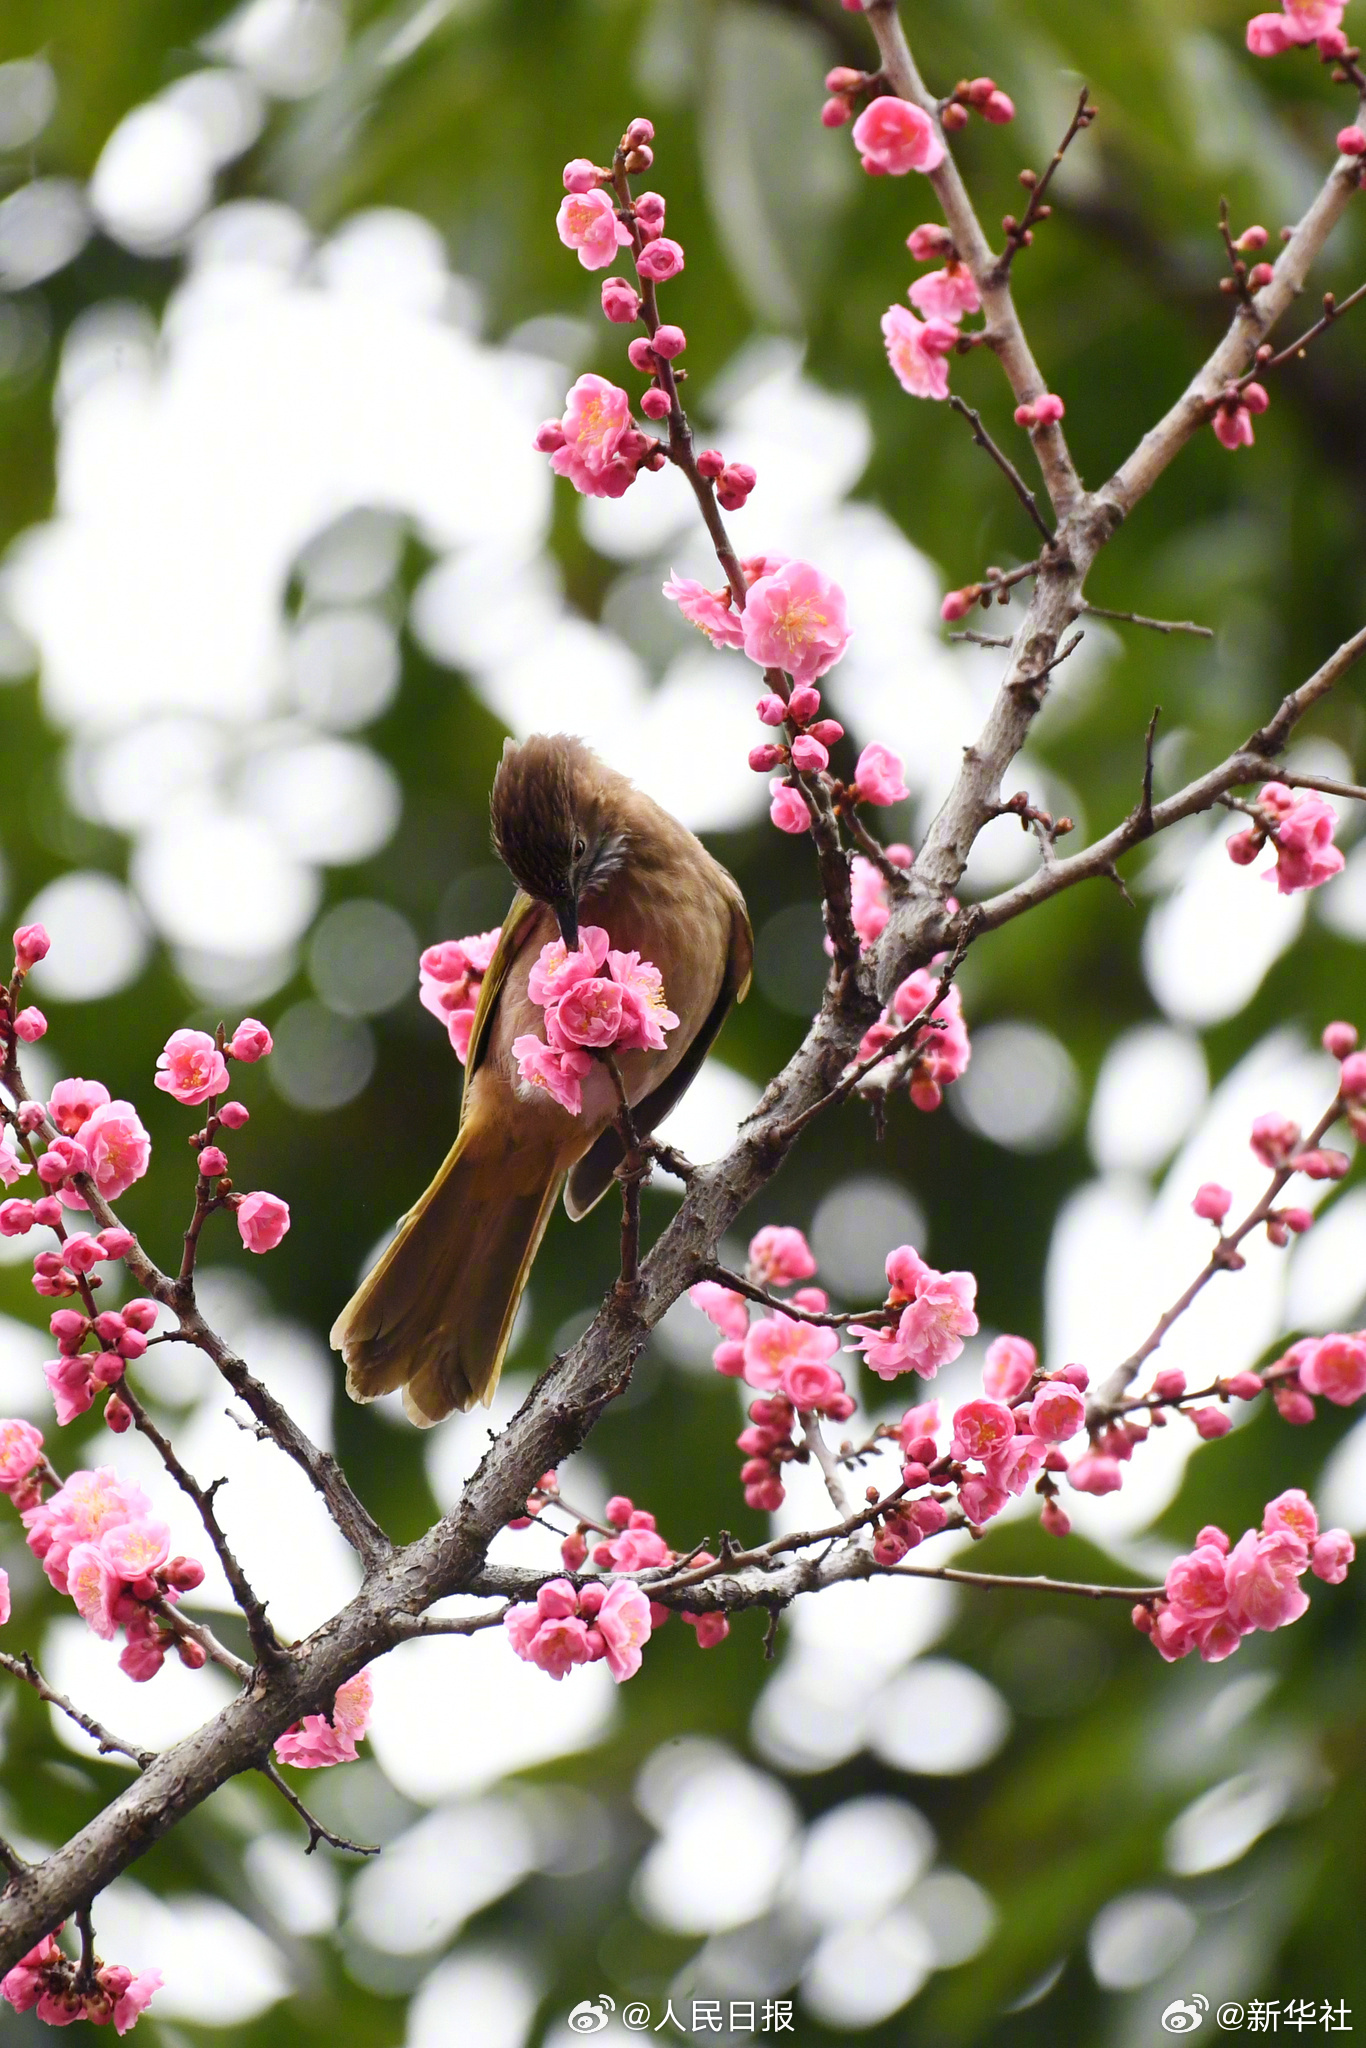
(234, 1114)
(669, 342)
(1341, 1039)
(953, 118)
(118, 1416)
(573, 1552)
(998, 107)
(620, 301)
(710, 464)
(116, 1242)
(641, 356)
(808, 755)
(835, 113)
(30, 1025)
(1260, 274)
(580, 175)
(191, 1654)
(771, 710)
(639, 133)
(1054, 1520)
(764, 758)
(1211, 1422)
(655, 404)
(1352, 141)
(1212, 1203)
(1244, 1386)
(549, 437)
(1252, 239)
(31, 944)
(804, 703)
(1294, 1405)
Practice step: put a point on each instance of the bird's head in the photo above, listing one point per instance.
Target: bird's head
(555, 826)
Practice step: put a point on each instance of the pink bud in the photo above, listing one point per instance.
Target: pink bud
(47, 1211)
(1049, 409)
(1076, 1376)
(804, 703)
(1260, 274)
(191, 1654)
(1298, 1220)
(31, 944)
(1340, 1039)
(809, 755)
(998, 107)
(844, 78)
(591, 1599)
(979, 91)
(250, 1041)
(1212, 1538)
(1211, 1422)
(739, 476)
(212, 1162)
(620, 301)
(827, 731)
(1251, 239)
(1255, 396)
(31, 1117)
(184, 1573)
(649, 212)
(549, 437)
(1244, 1386)
(1025, 416)
(1352, 141)
(922, 1450)
(573, 1552)
(767, 1495)
(660, 260)
(16, 1218)
(765, 757)
(580, 175)
(1294, 1405)
(641, 356)
(30, 1025)
(116, 1242)
(1142, 1619)
(106, 1368)
(1352, 1079)
(915, 1473)
(669, 342)
(1212, 1202)
(928, 242)
(69, 1327)
(771, 710)
(1322, 1164)
(1053, 1519)
(1332, 43)
(1242, 848)
(639, 133)
(710, 464)
(619, 1510)
(953, 117)
(729, 1358)
(835, 113)
(957, 605)
(132, 1344)
(118, 1416)
(139, 1314)
(654, 403)
(82, 1254)
(1277, 1232)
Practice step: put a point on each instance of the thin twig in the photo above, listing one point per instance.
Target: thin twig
(992, 1582)
(23, 1667)
(1004, 464)
(821, 1319)
(1018, 232)
(1332, 310)
(985, 639)
(456, 1625)
(1100, 611)
(1269, 771)
(316, 1831)
(85, 1973)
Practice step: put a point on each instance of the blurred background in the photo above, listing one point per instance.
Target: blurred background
(281, 302)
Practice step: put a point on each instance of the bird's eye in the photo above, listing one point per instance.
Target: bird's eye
(580, 849)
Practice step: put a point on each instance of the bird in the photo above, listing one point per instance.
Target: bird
(584, 846)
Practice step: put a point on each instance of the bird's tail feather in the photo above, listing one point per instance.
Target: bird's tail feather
(435, 1313)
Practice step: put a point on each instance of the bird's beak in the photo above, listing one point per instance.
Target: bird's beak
(567, 917)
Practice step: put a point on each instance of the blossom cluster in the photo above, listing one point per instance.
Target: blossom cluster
(1298, 23)
(1300, 825)
(99, 1543)
(107, 1994)
(450, 977)
(587, 1012)
(939, 1053)
(1221, 1592)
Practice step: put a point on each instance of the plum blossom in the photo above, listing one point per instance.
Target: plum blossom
(587, 221)
(709, 610)
(317, 1740)
(262, 1221)
(21, 1448)
(878, 776)
(250, 1041)
(775, 1342)
(721, 1305)
(892, 137)
(624, 1623)
(599, 448)
(779, 1254)
(72, 1104)
(1301, 21)
(796, 619)
(565, 1627)
(449, 979)
(930, 1330)
(117, 1149)
(31, 944)
(623, 1009)
(1303, 835)
(946, 294)
(918, 351)
(787, 807)
(1335, 1367)
(191, 1068)
(659, 260)
(1057, 1412)
(1009, 1366)
(12, 1167)
(981, 1429)
(560, 1073)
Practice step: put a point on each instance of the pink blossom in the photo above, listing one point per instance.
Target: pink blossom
(918, 351)
(645, 1016)
(930, 1332)
(981, 1429)
(721, 1305)
(587, 221)
(620, 301)
(12, 1167)
(710, 611)
(1305, 853)
(809, 757)
(1274, 1139)
(906, 1272)
(942, 1046)
(70, 1384)
(1292, 1510)
(1096, 1474)
(624, 1622)
(1211, 1422)
(250, 1041)
(1212, 1203)
(787, 807)
(580, 174)
(262, 1221)
(1302, 21)
(21, 1448)
(1009, 1366)
(878, 776)
(774, 1342)
(929, 241)
(31, 944)
(1232, 426)
(235, 1114)
(1057, 1412)
(980, 1498)
(588, 1014)
(796, 619)
(315, 1741)
(191, 1068)
(95, 1586)
(1331, 1555)
(136, 1549)
(557, 969)
(870, 908)
(1336, 1368)
(560, 1073)
(1196, 1589)
(1268, 35)
(892, 137)
(596, 422)
(30, 1025)
(135, 1999)
(778, 1255)
(212, 1162)
(946, 294)
(1351, 141)
(1262, 1574)
(810, 1385)
(659, 260)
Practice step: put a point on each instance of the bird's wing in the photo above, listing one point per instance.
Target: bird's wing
(510, 943)
(591, 1178)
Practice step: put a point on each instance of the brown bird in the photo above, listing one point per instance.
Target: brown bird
(435, 1314)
